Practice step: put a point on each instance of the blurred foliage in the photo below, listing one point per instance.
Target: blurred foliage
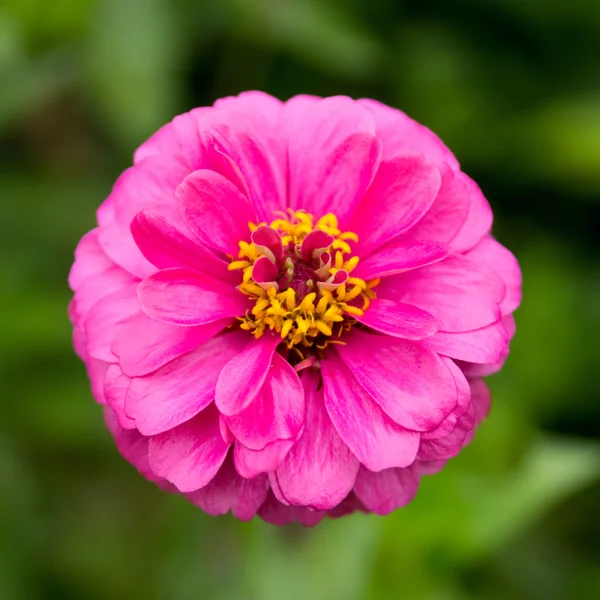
(513, 87)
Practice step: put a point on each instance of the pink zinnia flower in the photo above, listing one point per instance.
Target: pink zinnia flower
(286, 308)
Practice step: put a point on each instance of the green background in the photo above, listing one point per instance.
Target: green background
(512, 86)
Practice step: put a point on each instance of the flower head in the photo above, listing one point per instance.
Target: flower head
(286, 308)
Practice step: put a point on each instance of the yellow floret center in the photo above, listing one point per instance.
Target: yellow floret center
(316, 316)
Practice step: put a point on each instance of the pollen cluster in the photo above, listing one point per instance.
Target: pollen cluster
(310, 299)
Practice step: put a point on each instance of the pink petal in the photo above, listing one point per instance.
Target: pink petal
(132, 445)
(448, 212)
(143, 345)
(149, 185)
(463, 404)
(117, 242)
(255, 102)
(398, 132)
(79, 341)
(182, 388)
(221, 163)
(96, 370)
(98, 286)
(387, 490)
(255, 145)
(244, 376)
(450, 445)
(401, 193)
(320, 469)
(398, 319)
(106, 317)
(349, 505)
(264, 271)
(314, 243)
(215, 210)
(251, 463)
(166, 247)
(177, 142)
(230, 492)
(332, 154)
(115, 390)
(482, 399)
(276, 513)
(105, 214)
(485, 345)
(399, 257)
(375, 439)
(490, 253)
(410, 383)
(430, 468)
(461, 294)
(478, 221)
(277, 413)
(190, 455)
(473, 370)
(186, 297)
(268, 242)
(89, 259)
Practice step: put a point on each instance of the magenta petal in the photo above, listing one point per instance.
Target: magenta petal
(166, 247)
(375, 439)
(401, 193)
(149, 185)
(177, 142)
(276, 513)
(106, 317)
(254, 144)
(463, 403)
(254, 102)
(182, 388)
(450, 445)
(186, 297)
(243, 377)
(132, 445)
(332, 154)
(89, 259)
(115, 390)
(478, 221)
(410, 383)
(277, 413)
(482, 400)
(98, 286)
(398, 132)
(316, 240)
(189, 455)
(264, 271)
(398, 319)
(221, 163)
(116, 240)
(400, 257)
(143, 345)
(230, 492)
(461, 294)
(96, 370)
(490, 253)
(251, 463)
(387, 490)
(320, 469)
(485, 345)
(215, 210)
(448, 212)
(268, 242)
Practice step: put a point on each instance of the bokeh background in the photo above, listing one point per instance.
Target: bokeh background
(512, 86)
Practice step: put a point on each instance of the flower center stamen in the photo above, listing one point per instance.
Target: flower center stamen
(298, 274)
